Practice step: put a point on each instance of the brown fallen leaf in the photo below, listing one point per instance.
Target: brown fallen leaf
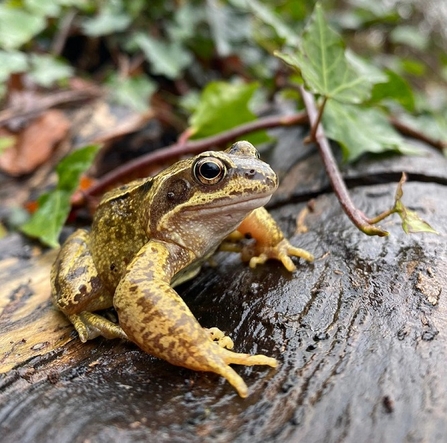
(35, 143)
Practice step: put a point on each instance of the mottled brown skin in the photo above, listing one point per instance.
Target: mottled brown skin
(155, 233)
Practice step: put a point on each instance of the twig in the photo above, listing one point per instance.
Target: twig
(338, 185)
(404, 129)
(47, 102)
(61, 35)
(185, 148)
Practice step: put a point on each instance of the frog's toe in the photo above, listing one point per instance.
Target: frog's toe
(232, 377)
(90, 325)
(289, 250)
(281, 252)
(249, 359)
(258, 260)
(219, 337)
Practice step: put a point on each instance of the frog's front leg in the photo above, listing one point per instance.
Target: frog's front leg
(270, 241)
(77, 290)
(156, 318)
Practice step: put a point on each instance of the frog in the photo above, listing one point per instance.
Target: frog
(154, 233)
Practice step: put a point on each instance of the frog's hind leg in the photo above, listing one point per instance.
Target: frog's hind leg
(77, 290)
(157, 319)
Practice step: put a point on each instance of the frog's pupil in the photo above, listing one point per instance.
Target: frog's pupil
(210, 170)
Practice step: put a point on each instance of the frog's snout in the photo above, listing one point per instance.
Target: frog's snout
(264, 175)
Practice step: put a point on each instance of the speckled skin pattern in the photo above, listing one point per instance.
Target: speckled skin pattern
(155, 233)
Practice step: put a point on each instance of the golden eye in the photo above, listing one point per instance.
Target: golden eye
(209, 170)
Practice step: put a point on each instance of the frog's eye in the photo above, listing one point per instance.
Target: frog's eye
(209, 171)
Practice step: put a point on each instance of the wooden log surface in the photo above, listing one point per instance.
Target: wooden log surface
(361, 334)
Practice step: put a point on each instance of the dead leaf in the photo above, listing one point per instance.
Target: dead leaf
(35, 143)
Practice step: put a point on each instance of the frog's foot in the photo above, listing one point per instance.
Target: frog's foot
(219, 337)
(219, 359)
(257, 254)
(90, 326)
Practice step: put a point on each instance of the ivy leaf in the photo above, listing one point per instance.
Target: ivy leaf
(410, 36)
(394, 88)
(411, 222)
(11, 62)
(70, 168)
(106, 22)
(359, 130)
(226, 26)
(270, 17)
(46, 69)
(134, 92)
(48, 9)
(18, 26)
(186, 19)
(53, 207)
(366, 69)
(323, 65)
(46, 223)
(168, 59)
(223, 106)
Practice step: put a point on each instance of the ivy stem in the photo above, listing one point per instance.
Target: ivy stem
(341, 191)
(382, 216)
(313, 131)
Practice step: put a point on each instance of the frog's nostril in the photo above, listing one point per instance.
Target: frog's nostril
(271, 182)
(251, 173)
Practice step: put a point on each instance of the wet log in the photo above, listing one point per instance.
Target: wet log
(360, 334)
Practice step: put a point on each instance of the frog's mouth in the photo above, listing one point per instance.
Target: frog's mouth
(228, 205)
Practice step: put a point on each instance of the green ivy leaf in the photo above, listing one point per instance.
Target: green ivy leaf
(48, 9)
(360, 130)
(185, 21)
(410, 36)
(226, 26)
(106, 22)
(18, 26)
(394, 88)
(223, 106)
(411, 222)
(46, 69)
(270, 17)
(134, 92)
(53, 207)
(168, 59)
(70, 168)
(323, 65)
(11, 62)
(366, 69)
(46, 223)
(412, 67)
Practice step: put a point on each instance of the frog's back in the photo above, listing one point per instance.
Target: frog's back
(118, 230)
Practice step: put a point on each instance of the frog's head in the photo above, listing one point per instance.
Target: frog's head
(197, 202)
